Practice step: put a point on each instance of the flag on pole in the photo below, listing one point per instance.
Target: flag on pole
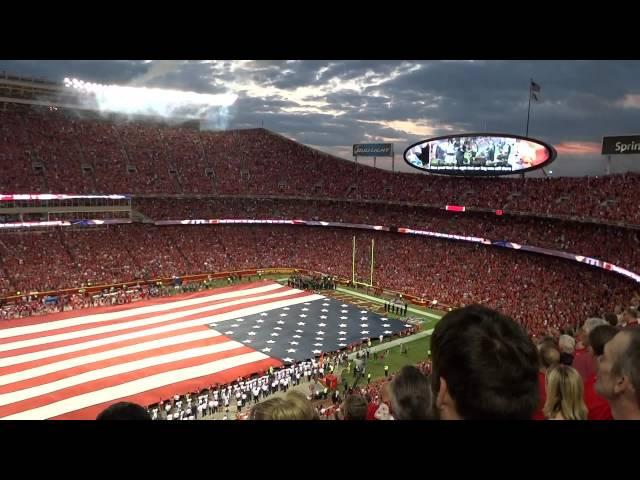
(535, 90)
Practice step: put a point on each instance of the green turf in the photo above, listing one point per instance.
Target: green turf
(416, 352)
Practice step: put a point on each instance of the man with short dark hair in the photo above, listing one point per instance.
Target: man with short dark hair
(410, 395)
(618, 377)
(630, 318)
(124, 411)
(597, 406)
(611, 318)
(484, 367)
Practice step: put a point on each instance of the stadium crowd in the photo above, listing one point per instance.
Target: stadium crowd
(537, 290)
(64, 151)
(482, 365)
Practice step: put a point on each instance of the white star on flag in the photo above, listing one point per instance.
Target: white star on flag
(324, 310)
(316, 352)
(344, 305)
(407, 325)
(343, 325)
(271, 341)
(285, 308)
(264, 314)
(291, 350)
(296, 336)
(320, 332)
(301, 323)
(364, 325)
(256, 326)
(287, 359)
(323, 317)
(364, 332)
(302, 315)
(293, 343)
(283, 314)
(387, 332)
(274, 334)
(363, 318)
(318, 338)
(305, 309)
(229, 332)
(344, 318)
(322, 324)
(317, 344)
(280, 322)
(363, 311)
(235, 325)
(259, 321)
(342, 344)
(246, 341)
(277, 328)
(344, 311)
(386, 325)
(240, 320)
(325, 304)
(299, 331)
(266, 349)
(342, 333)
(342, 339)
(251, 333)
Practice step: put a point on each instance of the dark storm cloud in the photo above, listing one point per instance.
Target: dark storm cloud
(580, 100)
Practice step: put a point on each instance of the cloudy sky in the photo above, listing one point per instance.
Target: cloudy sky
(330, 105)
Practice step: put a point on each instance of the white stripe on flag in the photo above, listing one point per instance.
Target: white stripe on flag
(137, 386)
(108, 354)
(145, 321)
(119, 369)
(103, 317)
(27, 357)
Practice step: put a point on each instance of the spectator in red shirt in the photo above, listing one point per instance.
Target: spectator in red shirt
(549, 358)
(630, 318)
(484, 367)
(598, 406)
(583, 360)
(618, 375)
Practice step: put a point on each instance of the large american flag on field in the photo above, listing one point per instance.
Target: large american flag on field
(72, 365)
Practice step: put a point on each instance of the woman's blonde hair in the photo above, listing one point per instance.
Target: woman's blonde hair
(565, 394)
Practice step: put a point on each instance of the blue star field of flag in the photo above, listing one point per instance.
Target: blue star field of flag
(300, 332)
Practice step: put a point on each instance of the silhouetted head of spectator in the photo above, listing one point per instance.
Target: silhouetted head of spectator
(588, 326)
(630, 316)
(565, 394)
(411, 395)
(124, 411)
(354, 408)
(598, 337)
(264, 409)
(549, 357)
(618, 377)
(295, 407)
(484, 366)
(611, 318)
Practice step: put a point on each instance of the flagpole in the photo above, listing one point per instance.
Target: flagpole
(529, 109)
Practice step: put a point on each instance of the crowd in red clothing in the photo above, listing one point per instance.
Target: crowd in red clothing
(537, 290)
(63, 151)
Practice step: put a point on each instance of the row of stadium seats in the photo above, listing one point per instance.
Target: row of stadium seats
(536, 290)
(613, 244)
(56, 151)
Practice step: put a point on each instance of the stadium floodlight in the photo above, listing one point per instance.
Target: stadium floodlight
(153, 101)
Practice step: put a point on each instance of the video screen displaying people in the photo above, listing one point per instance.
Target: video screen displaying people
(482, 153)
